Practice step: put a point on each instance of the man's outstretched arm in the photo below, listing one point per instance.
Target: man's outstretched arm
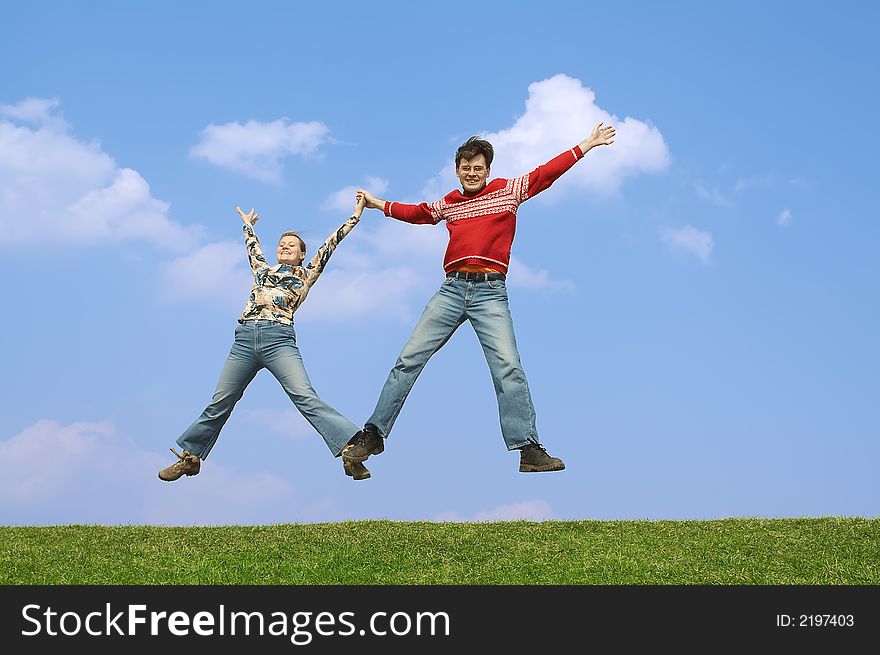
(419, 214)
(543, 176)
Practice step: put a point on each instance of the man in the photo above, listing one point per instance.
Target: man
(481, 219)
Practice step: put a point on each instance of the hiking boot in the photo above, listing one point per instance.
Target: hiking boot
(187, 464)
(533, 458)
(355, 470)
(365, 443)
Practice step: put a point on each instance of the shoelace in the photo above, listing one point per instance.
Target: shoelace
(178, 455)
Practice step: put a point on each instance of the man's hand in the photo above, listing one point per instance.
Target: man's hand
(371, 201)
(250, 218)
(600, 136)
(359, 202)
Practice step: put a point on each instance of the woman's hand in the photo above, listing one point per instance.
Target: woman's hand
(359, 202)
(249, 218)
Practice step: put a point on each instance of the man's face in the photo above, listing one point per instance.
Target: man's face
(473, 173)
(290, 251)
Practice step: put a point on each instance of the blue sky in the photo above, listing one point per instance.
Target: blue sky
(695, 306)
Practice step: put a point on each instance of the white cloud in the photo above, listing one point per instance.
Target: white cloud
(126, 210)
(561, 112)
(714, 195)
(444, 182)
(55, 188)
(87, 473)
(38, 462)
(256, 149)
(35, 110)
(288, 422)
(520, 275)
(532, 510)
(390, 240)
(343, 294)
(689, 240)
(785, 217)
(343, 200)
(216, 273)
(755, 181)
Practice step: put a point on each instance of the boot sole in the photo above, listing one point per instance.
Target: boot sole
(358, 477)
(531, 468)
(177, 478)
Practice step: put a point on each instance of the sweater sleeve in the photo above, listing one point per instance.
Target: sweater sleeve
(316, 266)
(542, 177)
(420, 214)
(255, 253)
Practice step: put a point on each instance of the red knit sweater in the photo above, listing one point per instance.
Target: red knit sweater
(481, 225)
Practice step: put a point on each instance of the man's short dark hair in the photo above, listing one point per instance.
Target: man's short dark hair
(473, 147)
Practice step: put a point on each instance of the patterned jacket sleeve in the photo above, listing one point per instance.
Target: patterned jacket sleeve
(316, 266)
(255, 253)
(528, 186)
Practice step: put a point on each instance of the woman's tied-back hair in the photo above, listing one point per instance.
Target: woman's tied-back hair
(473, 147)
(302, 244)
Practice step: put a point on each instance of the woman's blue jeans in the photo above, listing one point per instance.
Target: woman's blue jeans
(265, 344)
(484, 304)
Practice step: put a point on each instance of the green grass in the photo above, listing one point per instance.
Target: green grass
(837, 551)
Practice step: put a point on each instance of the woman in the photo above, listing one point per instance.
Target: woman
(264, 338)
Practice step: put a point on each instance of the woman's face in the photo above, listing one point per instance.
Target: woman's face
(290, 251)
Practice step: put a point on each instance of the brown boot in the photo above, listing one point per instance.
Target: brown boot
(356, 470)
(365, 443)
(534, 458)
(187, 464)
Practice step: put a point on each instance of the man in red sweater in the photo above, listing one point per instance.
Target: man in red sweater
(481, 219)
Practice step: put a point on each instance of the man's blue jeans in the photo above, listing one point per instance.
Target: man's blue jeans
(265, 344)
(484, 304)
